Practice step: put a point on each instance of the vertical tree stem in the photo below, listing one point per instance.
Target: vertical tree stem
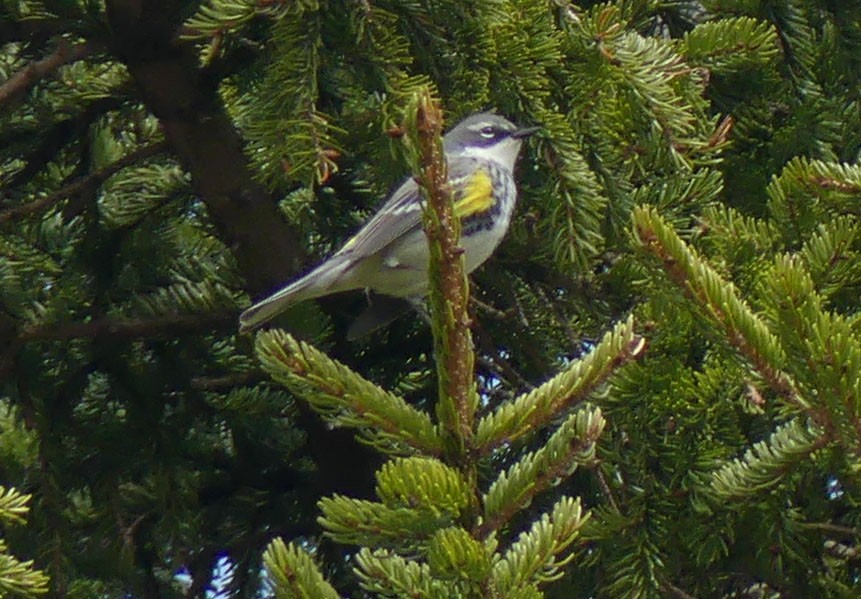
(449, 292)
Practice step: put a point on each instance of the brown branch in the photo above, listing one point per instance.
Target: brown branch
(452, 345)
(186, 102)
(105, 327)
(37, 70)
(158, 327)
(82, 184)
(245, 214)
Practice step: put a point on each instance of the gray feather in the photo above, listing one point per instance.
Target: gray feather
(401, 214)
(325, 279)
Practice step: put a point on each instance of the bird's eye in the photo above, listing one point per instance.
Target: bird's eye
(488, 132)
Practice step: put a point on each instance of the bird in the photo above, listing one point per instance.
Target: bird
(389, 255)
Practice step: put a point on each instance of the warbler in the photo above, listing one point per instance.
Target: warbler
(389, 255)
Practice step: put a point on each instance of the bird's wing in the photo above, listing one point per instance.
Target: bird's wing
(402, 213)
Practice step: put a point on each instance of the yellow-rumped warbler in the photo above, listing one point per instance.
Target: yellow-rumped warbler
(389, 254)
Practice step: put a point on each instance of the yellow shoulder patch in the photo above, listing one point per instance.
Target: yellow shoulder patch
(477, 195)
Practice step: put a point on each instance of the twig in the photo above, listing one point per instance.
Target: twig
(79, 185)
(228, 381)
(605, 488)
(563, 322)
(834, 528)
(492, 310)
(673, 591)
(39, 69)
(496, 363)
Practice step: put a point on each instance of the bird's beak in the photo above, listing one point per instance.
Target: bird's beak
(524, 132)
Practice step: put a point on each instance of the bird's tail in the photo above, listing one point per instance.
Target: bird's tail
(320, 281)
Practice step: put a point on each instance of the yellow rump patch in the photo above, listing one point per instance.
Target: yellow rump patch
(477, 195)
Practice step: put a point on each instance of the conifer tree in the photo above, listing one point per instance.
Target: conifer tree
(658, 394)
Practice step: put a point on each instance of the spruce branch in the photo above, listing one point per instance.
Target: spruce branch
(449, 292)
(20, 578)
(215, 18)
(536, 408)
(830, 254)
(737, 232)
(13, 506)
(635, 568)
(37, 70)
(389, 574)
(372, 524)
(744, 330)
(491, 359)
(842, 551)
(731, 44)
(573, 444)
(422, 482)
(606, 491)
(453, 553)
(141, 191)
(650, 69)
(808, 192)
(83, 184)
(292, 573)
(344, 398)
(533, 558)
(824, 347)
(17, 577)
(189, 297)
(290, 135)
(767, 462)
(578, 200)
